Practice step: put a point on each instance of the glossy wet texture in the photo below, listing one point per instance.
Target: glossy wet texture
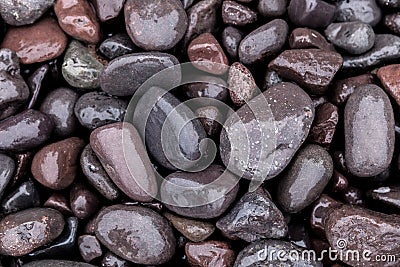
(308, 38)
(23, 12)
(358, 10)
(135, 233)
(24, 197)
(108, 10)
(84, 203)
(311, 13)
(236, 14)
(210, 253)
(388, 77)
(116, 46)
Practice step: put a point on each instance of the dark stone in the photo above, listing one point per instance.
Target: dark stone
(22, 12)
(342, 89)
(56, 263)
(210, 117)
(116, 46)
(271, 78)
(366, 11)
(112, 260)
(301, 38)
(230, 40)
(36, 83)
(389, 195)
(185, 193)
(392, 22)
(58, 202)
(237, 14)
(254, 217)
(207, 86)
(24, 197)
(131, 233)
(369, 131)
(320, 211)
(272, 8)
(324, 125)
(353, 195)
(7, 170)
(311, 13)
(84, 203)
(209, 253)
(24, 131)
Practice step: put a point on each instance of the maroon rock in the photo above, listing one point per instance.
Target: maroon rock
(84, 202)
(210, 254)
(324, 125)
(301, 38)
(242, 86)
(58, 202)
(342, 89)
(389, 77)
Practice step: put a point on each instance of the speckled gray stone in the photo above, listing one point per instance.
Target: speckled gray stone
(22, 12)
(358, 10)
(369, 131)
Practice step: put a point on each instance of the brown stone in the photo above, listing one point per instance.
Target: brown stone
(207, 55)
(35, 43)
(108, 10)
(55, 166)
(242, 86)
(210, 254)
(324, 125)
(78, 19)
(389, 77)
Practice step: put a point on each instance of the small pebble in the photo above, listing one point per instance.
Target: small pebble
(89, 247)
(301, 38)
(324, 125)
(389, 195)
(311, 13)
(209, 254)
(342, 89)
(230, 40)
(272, 8)
(84, 203)
(389, 77)
(108, 10)
(112, 260)
(242, 86)
(24, 197)
(320, 210)
(7, 170)
(116, 46)
(392, 22)
(237, 14)
(58, 202)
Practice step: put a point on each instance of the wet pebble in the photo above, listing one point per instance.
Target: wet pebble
(38, 42)
(125, 74)
(242, 86)
(386, 48)
(210, 117)
(7, 170)
(271, 78)
(207, 55)
(281, 129)
(24, 197)
(155, 24)
(22, 12)
(263, 42)
(24, 131)
(193, 230)
(342, 89)
(150, 116)
(324, 125)
(108, 10)
(209, 254)
(389, 195)
(388, 75)
(207, 86)
(366, 11)
(14, 92)
(254, 217)
(363, 230)
(389, 3)
(185, 194)
(27, 230)
(308, 38)
(84, 203)
(78, 19)
(96, 109)
(58, 202)
(353, 195)
(311, 68)
(311, 13)
(258, 254)
(339, 182)
(137, 234)
(307, 176)
(56, 165)
(89, 247)
(116, 46)
(392, 22)
(59, 106)
(112, 260)
(109, 143)
(320, 210)
(369, 131)
(237, 14)
(56, 263)
(80, 69)
(353, 37)
(37, 82)
(272, 8)
(96, 175)
(230, 40)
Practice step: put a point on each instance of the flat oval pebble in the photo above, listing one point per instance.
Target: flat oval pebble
(96, 109)
(207, 55)
(56, 165)
(183, 191)
(311, 68)
(155, 24)
(230, 40)
(366, 11)
(193, 230)
(135, 233)
(284, 114)
(242, 86)
(388, 75)
(237, 14)
(25, 231)
(59, 106)
(353, 37)
(209, 254)
(108, 10)
(351, 228)
(78, 19)
(116, 46)
(109, 143)
(7, 168)
(24, 131)
(14, 92)
(38, 42)
(272, 8)
(263, 42)
(258, 254)
(80, 69)
(171, 149)
(124, 75)
(96, 175)
(308, 38)
(307, 176)
(22, 12)
(56, 263)
(254, 217)
(369, 131)
(311, 13)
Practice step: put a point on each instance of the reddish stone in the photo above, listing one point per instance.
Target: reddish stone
(209, 254)
(389, 77)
